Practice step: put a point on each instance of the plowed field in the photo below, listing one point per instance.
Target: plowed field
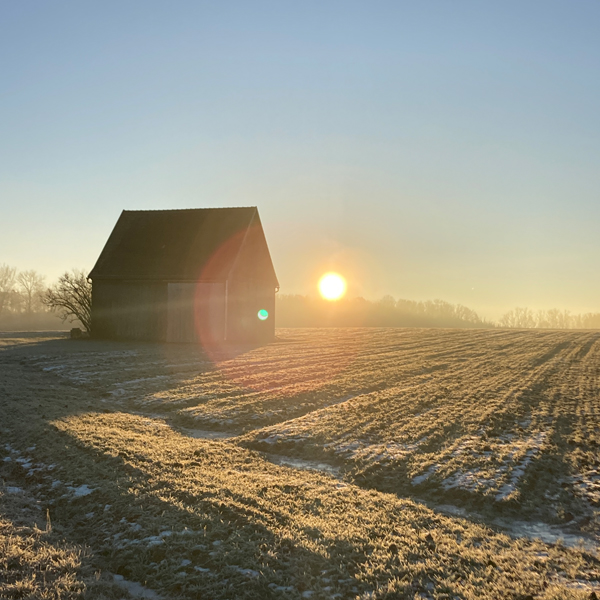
(423, 464)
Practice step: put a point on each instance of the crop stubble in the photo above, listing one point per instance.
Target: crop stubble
(496, 421)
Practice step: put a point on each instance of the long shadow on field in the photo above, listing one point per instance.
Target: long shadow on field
(186, 545)
(127, 512)
(119, 498)
(545, 488)
(543, 479)
(171, 380)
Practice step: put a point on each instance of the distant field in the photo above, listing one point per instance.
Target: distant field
(424, 438)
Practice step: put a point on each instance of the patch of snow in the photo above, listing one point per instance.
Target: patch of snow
(135, 589)
(587, 485)
(375, 453)
(470, 480)
(450, 509)
(549, 534)
(81, 491)
(272, 439)
(153, 540)
(466, 443)
(281, 588)
(247, 572)
(201, 570)
(12, 489)
(580, 584)
(202, 434)
(534, 443)
(424, 476)
(299, 463)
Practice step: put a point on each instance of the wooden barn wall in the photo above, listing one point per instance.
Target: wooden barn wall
(254, 260)
(196, 313)
(244, 300)
(129, 310)
(251, 287)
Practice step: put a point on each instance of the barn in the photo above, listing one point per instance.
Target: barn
(194, 275)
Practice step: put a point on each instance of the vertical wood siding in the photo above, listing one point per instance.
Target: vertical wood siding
(196, 312)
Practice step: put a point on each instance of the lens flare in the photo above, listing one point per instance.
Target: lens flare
(332, 286)
(263, 315)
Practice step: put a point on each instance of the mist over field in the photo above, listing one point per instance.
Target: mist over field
(22, 309)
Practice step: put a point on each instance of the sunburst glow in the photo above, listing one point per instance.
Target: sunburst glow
(332, 286)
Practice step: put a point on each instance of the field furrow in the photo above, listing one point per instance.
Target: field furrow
(501, 426)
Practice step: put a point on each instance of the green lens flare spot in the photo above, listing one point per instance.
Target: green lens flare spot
(263, 315)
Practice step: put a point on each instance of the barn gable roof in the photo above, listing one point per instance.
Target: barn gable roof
(181, 245)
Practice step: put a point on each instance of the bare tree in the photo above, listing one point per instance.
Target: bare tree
(7, 284)
(31, 285)
(518, 318)
(71, 298)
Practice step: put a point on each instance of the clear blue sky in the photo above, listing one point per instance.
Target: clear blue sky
(424, 149)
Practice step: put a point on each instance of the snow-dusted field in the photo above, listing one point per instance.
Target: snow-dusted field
(351, 463)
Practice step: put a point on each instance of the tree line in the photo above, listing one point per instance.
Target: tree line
(554, 318)
(20, 291)
(304, 311)
(27, 303)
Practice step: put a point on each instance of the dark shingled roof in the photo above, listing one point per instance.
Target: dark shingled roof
(180, 245)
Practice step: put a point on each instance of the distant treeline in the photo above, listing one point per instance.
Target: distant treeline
(525, 318)
(21, 307)
(304, 311)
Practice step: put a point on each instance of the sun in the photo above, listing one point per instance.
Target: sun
(332, 286)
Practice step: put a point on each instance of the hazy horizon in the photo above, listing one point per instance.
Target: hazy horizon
(431, 151)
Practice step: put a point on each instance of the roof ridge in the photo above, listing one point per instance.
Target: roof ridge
(155, 210)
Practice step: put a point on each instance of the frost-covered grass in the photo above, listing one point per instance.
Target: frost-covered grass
(188, 517)
(484, 420)
(504, 422)
(35, 560)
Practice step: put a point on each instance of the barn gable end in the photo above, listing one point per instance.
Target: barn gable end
(195, 275)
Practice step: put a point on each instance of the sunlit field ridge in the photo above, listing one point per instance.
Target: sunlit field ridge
(403, 446)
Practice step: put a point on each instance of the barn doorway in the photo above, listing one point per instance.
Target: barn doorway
(196, 313)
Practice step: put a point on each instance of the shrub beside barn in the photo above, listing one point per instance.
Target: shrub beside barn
(198, 275)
